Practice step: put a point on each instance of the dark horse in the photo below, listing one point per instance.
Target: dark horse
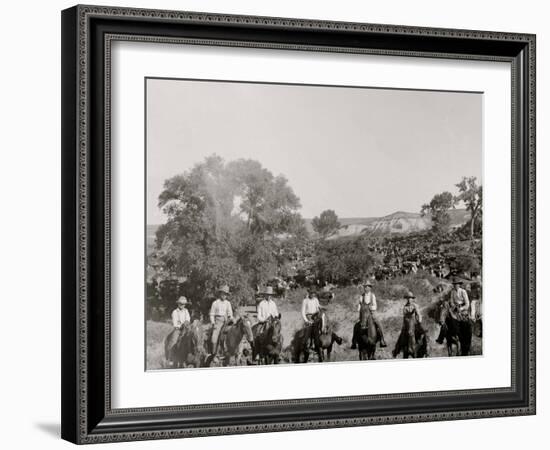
(320, 331)
(230, 339)
(457, 330)
(366, 335)
(189, 349)
(268, 342)
(412, 341)
(323, 336)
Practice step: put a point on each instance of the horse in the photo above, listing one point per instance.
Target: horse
(189, 349)
(269, 342)
(230, 340)
(366, 335)
(412, 339)
(323, 336)
(457, 331)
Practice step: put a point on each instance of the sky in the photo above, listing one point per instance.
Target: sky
(363, 152)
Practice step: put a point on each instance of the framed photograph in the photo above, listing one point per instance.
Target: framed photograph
(280, 224)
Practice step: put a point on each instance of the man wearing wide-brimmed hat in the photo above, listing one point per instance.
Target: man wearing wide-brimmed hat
(310, 306)
(410, 309)
(267, 308)
(459, 297)
(367, 297)
(220, 313)
(459, 306)
(180, 317)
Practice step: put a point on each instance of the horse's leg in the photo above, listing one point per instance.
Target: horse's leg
(319, 353)
(373, 352)
(411, 346)
(467, 338)
(295, 355)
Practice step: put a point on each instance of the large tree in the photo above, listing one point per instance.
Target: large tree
(225, 224)
(471, 194)
(326, 224)
(438, 209)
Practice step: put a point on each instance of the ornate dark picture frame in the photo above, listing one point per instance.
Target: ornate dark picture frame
(87, 34)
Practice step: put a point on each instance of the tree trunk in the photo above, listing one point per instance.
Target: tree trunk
(472, 223)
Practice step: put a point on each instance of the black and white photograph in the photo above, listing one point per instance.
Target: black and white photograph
(296, 223)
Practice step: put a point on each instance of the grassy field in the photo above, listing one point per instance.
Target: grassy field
(341, 312)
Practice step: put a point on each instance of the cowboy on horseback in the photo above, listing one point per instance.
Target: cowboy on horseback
(180, 317)
(459, 305)
(367, 297)
(267, 309)
(310, 307)
(410, 310)
(221, 314)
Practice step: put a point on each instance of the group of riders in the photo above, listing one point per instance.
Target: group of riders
(221, 317)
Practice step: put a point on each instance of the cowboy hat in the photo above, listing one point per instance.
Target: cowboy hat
(456, 280)
(182, 301)
(312, 290)
(267, 291)
(224, 288)
(367, 283)
(409, 294)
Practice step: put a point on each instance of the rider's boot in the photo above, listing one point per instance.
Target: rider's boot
(441, 337)
(382, 340)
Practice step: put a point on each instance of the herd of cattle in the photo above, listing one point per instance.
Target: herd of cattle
(396, 256)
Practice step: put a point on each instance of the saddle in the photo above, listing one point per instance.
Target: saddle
(461, 316)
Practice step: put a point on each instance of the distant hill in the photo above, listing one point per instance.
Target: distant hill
(399, 222)
(344, 221)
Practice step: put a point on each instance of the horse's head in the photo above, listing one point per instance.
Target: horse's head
(443, 312)
(323, 322)
(246, 327)
(275, 329)
(364, 315)
(194, 338)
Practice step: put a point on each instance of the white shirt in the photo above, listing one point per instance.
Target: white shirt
(267, 309)
(221, 308)
(369, 298)
(459, 297)
(180, 316)
(310, 306)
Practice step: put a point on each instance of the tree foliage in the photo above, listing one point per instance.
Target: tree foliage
(343, 260)
(226, 222)
(326, 224)
(438, 209)
(471, 194)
